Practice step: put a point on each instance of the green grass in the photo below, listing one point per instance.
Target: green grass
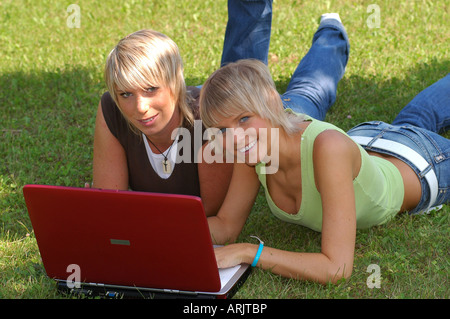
(51, 82)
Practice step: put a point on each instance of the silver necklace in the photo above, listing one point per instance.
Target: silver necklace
(167, 168)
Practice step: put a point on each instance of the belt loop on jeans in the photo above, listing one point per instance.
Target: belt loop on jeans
(408, 153)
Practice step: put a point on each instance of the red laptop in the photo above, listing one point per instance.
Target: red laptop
(127, 244)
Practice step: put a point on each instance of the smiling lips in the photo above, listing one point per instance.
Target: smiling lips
(248, 147)
(149, 120)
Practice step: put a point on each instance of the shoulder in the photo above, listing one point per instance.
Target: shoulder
(109, 107)
(107, 101)
(334, 148)
(333, 141)
(335, 153)
(115, 121)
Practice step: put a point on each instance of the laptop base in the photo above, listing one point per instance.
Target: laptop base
(121, 292)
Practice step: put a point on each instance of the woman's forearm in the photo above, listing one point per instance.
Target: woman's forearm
(226, 226)
(220, 234)
(302, 266)
(305, 266)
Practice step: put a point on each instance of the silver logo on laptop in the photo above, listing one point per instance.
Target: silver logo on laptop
(119, 242)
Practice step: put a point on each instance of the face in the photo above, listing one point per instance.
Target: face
(247, 136)
(152, 110)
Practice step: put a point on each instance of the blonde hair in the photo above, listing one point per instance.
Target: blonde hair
(245, 85)
(144, 59)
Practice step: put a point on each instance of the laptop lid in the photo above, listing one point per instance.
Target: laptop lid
(123, 238)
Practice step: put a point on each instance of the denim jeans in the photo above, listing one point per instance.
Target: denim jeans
(430, 109)
(247, 35)
(417, 126)
(313, 85)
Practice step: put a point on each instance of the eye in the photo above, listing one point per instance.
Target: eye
(223, 130)
(244, 119)
(125, 94)
(151, 89)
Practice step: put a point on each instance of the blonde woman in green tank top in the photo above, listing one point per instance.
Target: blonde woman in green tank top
(314, 174)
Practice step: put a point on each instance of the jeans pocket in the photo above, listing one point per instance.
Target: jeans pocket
(436, 146)
(372, 125)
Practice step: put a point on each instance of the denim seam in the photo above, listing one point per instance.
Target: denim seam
(439, 157)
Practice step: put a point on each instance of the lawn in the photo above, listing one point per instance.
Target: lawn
(51, 79)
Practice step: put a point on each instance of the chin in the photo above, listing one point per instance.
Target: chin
(251, 164)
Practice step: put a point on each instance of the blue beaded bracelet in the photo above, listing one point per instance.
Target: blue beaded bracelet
(258, 253)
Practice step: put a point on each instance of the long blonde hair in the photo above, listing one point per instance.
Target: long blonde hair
(147, 58)
(245, 85)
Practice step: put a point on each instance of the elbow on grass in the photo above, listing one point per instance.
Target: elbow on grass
(337, 275)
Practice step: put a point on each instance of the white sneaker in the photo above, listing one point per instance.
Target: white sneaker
(330, 16)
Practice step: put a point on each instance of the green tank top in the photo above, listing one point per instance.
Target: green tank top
(378, 187)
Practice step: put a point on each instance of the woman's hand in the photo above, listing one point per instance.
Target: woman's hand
(235, 254)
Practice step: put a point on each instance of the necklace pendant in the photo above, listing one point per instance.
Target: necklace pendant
(166, 166)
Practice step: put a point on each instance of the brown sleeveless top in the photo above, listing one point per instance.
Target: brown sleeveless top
(184, 178)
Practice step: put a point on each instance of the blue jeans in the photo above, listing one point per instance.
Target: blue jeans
(312, 88)
(247, 35)
(417, 126)
(430, 109)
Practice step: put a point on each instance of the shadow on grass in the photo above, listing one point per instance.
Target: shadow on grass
(46, 134)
